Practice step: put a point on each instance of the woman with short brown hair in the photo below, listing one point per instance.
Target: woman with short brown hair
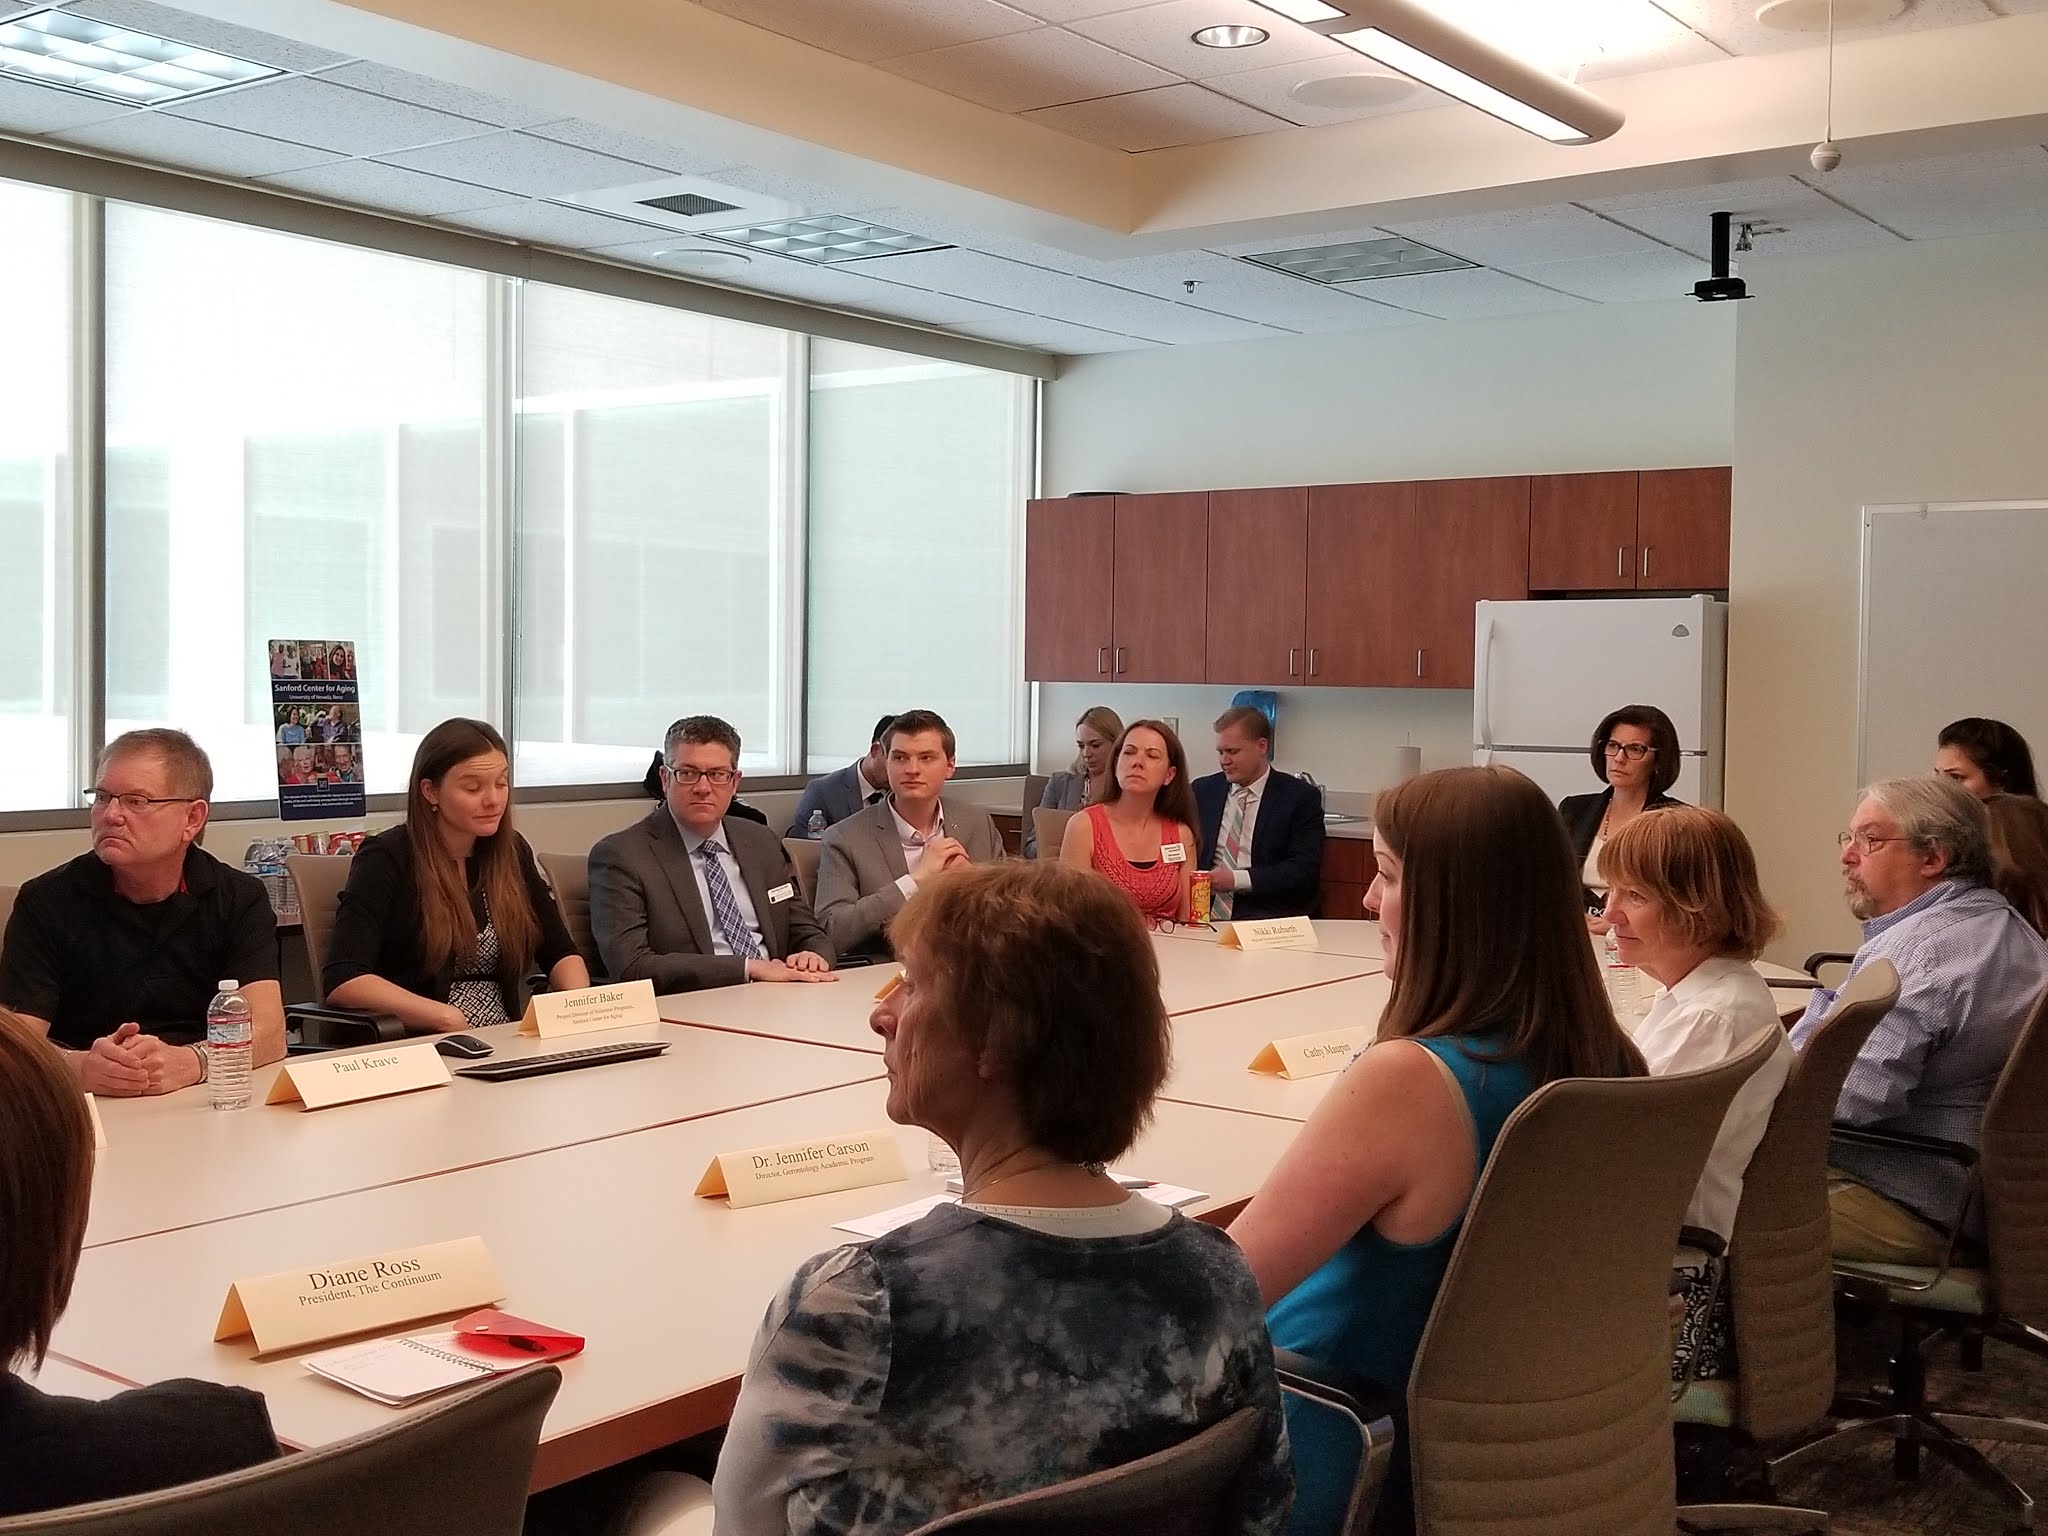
(57, 1451)
(1052, 1323)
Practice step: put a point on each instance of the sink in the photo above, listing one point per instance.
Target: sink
(1342, 819)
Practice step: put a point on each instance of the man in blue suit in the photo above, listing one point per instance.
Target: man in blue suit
(842, 792)
(1262, 830)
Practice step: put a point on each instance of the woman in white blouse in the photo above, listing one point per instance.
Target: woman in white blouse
(1686, 910)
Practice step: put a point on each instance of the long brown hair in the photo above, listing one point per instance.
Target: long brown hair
(2019, 855)
(1175, 799)
(448, 931)
(1493, 935)
(45, 1188)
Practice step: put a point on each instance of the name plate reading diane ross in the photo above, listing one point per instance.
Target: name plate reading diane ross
(618, 1006)
(382, 1290)
(1270, 933)
(1314, 1055)
(318, 1082)
(761, 1175)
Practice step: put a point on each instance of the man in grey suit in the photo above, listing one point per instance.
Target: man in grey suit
(871, 862)
(691, 897)
(840, 793)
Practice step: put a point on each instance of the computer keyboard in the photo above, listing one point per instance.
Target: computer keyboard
(562, 1061)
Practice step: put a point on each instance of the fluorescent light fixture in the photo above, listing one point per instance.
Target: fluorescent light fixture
(1303, 10)
(826, 238)
(76, 53)
(1423, 46)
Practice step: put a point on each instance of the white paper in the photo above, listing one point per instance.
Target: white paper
(400, 1371)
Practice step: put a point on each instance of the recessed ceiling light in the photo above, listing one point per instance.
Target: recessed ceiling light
(76, 53)
(1231, 37)
(1354, 92)
(697, 259)
(1812, 15)
(825, 238)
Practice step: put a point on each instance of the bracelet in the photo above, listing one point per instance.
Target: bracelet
(205, 1063)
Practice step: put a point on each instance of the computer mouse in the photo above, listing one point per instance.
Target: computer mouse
(462, 1045)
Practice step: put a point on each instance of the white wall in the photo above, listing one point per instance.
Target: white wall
(1619, 386)
(1913, 373)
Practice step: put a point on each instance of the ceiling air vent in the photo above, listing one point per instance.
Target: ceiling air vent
(690, 205)
(1359, 261)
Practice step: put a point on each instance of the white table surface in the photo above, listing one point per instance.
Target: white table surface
(1213, 1050)
(1358, 940)
(603, 1238)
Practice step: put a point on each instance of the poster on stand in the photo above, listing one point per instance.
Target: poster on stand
(317, 729)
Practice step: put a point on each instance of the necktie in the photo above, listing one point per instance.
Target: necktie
(724, 909)
(1221, 902)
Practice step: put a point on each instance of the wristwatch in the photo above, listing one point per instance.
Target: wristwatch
(205, 1062)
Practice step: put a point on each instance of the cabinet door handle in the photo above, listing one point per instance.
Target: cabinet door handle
(1313, 653)
(1102, 659)
(1621, 559)
(1119, 659)
(1292, 653)
(1418, 663)
(1646, 560)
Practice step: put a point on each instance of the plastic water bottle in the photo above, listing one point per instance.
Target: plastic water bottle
(1624, 987)
(815, 826)
(228, 1047)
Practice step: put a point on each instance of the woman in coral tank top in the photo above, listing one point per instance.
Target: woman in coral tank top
(1141, 836)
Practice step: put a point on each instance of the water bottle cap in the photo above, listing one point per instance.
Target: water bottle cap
(229, 985)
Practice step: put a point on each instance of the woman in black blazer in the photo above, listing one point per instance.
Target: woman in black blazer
(1635, 753)
(444, 916)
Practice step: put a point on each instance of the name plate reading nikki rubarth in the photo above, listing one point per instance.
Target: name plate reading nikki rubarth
(621, 1006)
(760, 1175)
(1270, 933)
(320, 1082)
(1314, 1055)
(383, 1290)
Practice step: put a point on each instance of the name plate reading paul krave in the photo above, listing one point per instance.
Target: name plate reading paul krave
(360, 1295)
(760, 1175)
(319, 1082)
(616, 1006)
(1314, 1055)
(1270, 933)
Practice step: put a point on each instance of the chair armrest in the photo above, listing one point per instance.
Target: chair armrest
(324, 1027)
(1820, 957)
(1906, 1141)
(1366, 1400)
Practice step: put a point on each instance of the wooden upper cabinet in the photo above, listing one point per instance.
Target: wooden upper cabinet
(1356, 538)
(1069, 588)
(1258, 569)
(1682, 529)
(1471, 541)
(1582, 532)
(1160, 604)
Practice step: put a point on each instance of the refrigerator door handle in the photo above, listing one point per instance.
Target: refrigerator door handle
(1484, 684)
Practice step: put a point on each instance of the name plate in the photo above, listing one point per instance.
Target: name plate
(1271, 933)
(99, 1127)
(383, 1290)
(618, 1006)
(761, 1175)
(318, 1082)
(1314, 1055)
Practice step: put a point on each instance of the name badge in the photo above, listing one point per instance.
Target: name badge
(1313, 1055)
(782, 892)
(627, 1003)
(310, 1306)
(323, 1081)
(1270, 933)
(760, 1175)
(1173, 853)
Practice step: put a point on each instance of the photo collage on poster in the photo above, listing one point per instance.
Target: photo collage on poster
(316, 729)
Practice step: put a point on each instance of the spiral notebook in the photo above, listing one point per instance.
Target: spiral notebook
(406, 1371)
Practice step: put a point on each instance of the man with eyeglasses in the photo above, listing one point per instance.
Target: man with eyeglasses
(116, 954)
(1916, 868)
(693, 897)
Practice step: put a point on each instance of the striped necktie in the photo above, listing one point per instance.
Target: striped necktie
(725, 909)
(1233, 858)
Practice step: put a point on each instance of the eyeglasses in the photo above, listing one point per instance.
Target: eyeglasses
(719, 777)
(1865, 846)
(133, 804)
(1634, 751)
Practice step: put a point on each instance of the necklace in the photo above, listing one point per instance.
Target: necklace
(967, 1196)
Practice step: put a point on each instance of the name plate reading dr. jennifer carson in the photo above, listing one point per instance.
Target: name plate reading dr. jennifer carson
(1314, 1055)
(1270, 933)
(618, 1006)
(319, 1082)
(760, 1175)
(383, 1290)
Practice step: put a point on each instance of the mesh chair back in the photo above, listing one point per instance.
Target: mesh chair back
(6, 908)
(1034, 791)
(804, 853)
(568, 876)
(1540, 1402)
(1190, 1489)
(458, 1468)
(318, 878)
(1781, 1281)
(1051, 826)
(2015, 1174)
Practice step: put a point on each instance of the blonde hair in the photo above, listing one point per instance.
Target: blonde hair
(1695, 864)
(1104, 722)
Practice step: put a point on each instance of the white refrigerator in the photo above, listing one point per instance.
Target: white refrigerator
(1546, 673)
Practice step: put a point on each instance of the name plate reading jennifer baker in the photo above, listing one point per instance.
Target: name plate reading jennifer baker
(318, 1082)
(384, 1290)
(618, 1006)
(760, 1175)
(1270, 933)
(1314, 1055)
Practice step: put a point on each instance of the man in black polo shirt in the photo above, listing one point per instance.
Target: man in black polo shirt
(116, 954)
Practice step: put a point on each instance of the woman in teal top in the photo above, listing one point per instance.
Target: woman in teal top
(1495, 993)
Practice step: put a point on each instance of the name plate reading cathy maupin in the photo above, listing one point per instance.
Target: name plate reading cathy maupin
(1314, 1055)
(617, 1006)
(760, 1175)
(318, 1082)
(382, 1290)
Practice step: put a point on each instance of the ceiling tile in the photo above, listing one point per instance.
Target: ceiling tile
(205, 32)
(1558, 233)
(1810, 224)
(1048, 335)
(1619, 37)
(1638, 277)
(28, 108)
(1271, 90)
(1473, 294)
(629, 146)
(155, 139)
(1174, 114)
(1734, 27)
(521, 163)
(328, 117)
(841, 286)
(1238, 288)
(1301, 242)
(1060, 12)
(401, 85)
(541, 223)
(386, 188)
(1956, 195)
(878, 29)
(1162, 35)
(1028, 70)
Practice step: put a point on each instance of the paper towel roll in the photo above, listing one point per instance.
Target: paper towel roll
(1407, 763)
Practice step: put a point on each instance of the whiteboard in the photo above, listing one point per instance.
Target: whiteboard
(1955, 623)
